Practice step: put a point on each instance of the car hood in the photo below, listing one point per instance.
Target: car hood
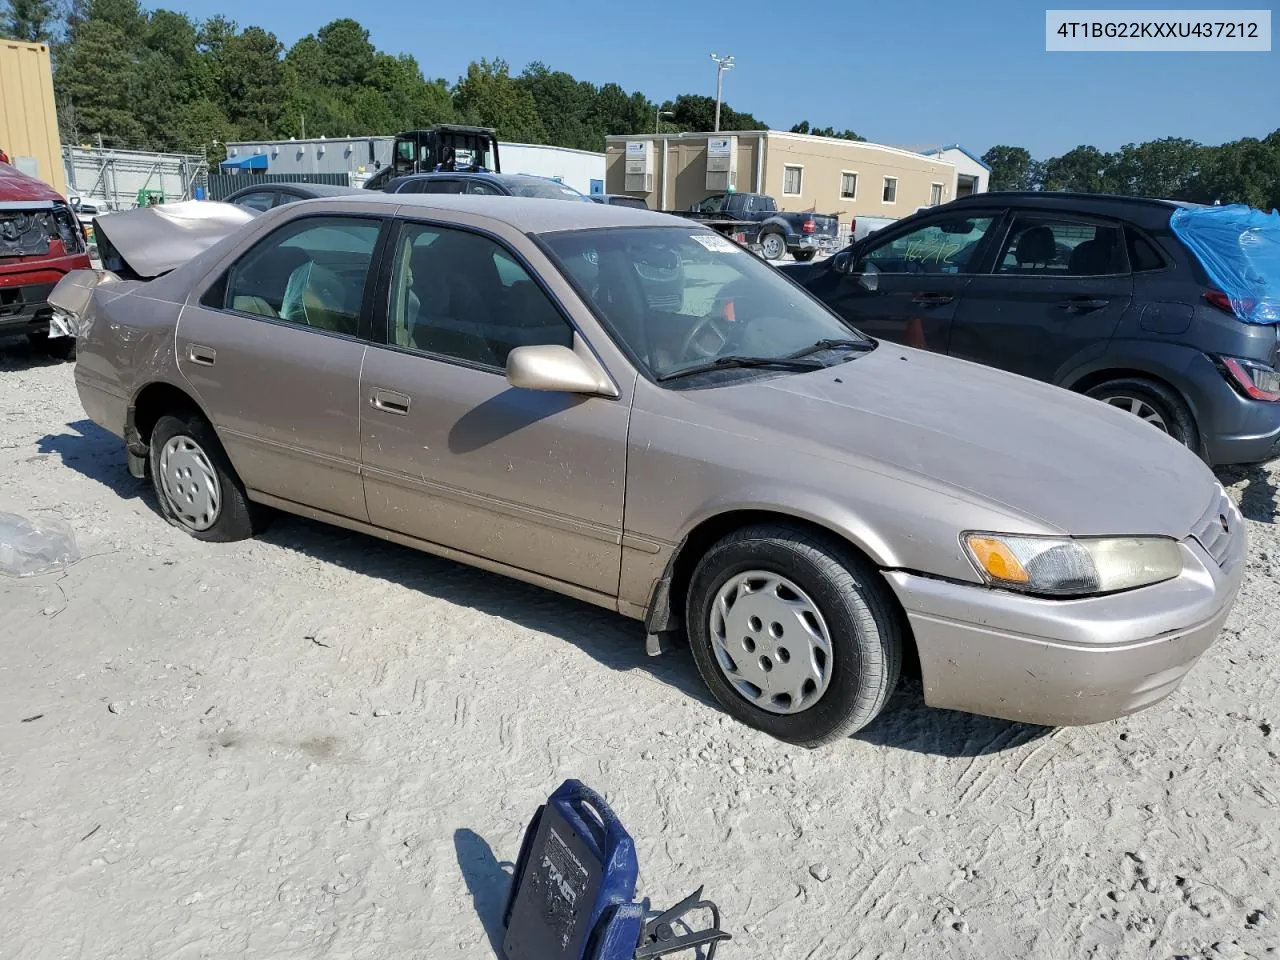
(1072, 463)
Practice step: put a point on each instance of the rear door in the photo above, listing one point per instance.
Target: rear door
(904, 285)
(273, 350)
(1049, 299)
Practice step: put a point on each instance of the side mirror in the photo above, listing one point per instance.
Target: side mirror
(554, 369)
(845, 263)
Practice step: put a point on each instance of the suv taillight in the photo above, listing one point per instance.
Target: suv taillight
(1218, 299)
(809, 226)
(1255, 380)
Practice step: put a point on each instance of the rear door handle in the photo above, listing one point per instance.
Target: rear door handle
(1083, 304)
(390, 401)
(198, 353)
(932, 299)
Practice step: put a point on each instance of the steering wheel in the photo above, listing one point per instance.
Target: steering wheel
(712, 323)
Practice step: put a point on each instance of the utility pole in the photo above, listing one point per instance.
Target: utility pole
(722, 64)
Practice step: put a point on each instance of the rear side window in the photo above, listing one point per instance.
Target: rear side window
(262, 200)
(1061, 248)
(1142, 255)
(311, 272)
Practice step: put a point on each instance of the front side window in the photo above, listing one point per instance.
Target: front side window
(678, 298)
(792, 180)
(462, 296)
(945, 246)
(439, 186)
(890, 190)
(1045, 247)
(311, 272)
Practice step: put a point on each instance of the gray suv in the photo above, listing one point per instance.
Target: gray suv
(1092, 293)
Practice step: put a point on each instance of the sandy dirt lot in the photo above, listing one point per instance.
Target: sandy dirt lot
(319, 745)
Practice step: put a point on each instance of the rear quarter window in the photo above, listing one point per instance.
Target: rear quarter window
(1143, 256)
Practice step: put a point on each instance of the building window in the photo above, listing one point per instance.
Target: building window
(792, 180)
(848, 186)
(935, 194)
(890, 189)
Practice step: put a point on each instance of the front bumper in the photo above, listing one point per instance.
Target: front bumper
(1069, 662)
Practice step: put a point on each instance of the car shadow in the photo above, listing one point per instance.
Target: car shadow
(16, 355)
(97, 454)
(1258, 495)
(611, 639)
(907, 723)
(487, 880)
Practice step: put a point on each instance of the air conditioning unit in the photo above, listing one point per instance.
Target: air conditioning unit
(722, 164)
(639, 167)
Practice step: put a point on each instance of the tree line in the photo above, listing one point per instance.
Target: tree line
(1173, 168)
(159, 80)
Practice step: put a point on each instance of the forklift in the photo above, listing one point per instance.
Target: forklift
(446, 146)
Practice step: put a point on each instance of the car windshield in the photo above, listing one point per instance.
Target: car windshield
(681, 299)
(546, 189)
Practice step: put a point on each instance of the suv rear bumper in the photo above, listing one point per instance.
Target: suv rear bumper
(1235, 429)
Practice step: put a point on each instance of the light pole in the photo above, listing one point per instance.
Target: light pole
(722, 64)
(657, 118)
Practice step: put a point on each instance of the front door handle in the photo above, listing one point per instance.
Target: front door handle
(1083, 304)
(198, 353)
(390, 401)
(932, 299)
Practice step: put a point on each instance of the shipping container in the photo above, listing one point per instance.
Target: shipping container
(28, 116)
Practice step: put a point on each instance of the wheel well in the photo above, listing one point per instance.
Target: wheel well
(154, 402)
(1098, 377)
(706, 534)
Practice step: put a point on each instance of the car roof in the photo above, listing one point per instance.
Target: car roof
(314, 189)
(526, 214)
(1146, 211)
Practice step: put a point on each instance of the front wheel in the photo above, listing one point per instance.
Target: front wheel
(773, 246)
(794, 635)
(804, 256)
(196, 485)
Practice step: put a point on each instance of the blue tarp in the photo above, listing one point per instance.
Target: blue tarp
(1239, 248)
(257, 161)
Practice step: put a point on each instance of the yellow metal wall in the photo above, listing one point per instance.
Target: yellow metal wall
(28, 116)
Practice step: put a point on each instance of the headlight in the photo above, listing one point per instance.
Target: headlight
(1062, 566)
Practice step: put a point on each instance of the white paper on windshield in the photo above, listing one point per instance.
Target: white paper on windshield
(714, 242)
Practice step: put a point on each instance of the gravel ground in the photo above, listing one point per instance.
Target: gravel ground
(319, 745)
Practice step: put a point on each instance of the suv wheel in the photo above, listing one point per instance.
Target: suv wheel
(1155, 404)
(794, 635)
(196, 485)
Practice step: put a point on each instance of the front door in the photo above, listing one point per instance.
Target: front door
(273, 351)
(905, 284)
(1049, 301)
(453, 454)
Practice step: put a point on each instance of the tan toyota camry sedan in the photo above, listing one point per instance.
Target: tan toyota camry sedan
(630, 409)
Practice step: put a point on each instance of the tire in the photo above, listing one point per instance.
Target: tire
(1152, 400)
(803, 256)
(773, 245)
(862, 626)
(184, 444)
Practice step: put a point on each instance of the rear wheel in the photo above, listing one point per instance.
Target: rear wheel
(794, 635)
(196, 485)
(773, 245)
(804, 256)
(1154, 404)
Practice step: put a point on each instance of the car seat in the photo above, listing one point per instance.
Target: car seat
(1036, 249)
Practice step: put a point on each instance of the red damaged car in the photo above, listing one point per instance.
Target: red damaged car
(41, 241)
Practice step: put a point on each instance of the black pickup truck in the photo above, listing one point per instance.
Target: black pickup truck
(757, 217)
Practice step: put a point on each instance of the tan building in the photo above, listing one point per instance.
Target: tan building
(801, 172)
(28, 120)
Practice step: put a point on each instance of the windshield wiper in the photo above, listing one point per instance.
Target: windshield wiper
(724, 363)
(860, 345)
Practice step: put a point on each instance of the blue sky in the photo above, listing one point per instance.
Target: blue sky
(910, 73)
